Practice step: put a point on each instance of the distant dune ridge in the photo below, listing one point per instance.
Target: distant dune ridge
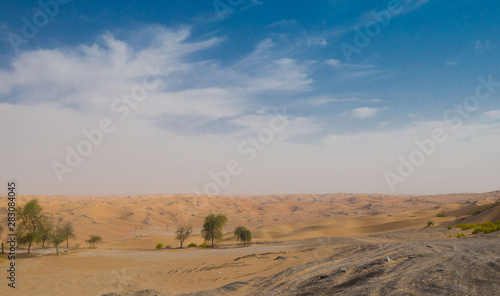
(124, 217)
(315, 236)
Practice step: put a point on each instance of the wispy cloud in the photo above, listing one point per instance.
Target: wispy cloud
(494, 114)
(365, 112)
(90, 77)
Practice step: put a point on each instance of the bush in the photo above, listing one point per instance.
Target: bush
(168, 247)
(465, 226)
(489, 229)
(442, 214)
(488, 224)
(203, 245)
(449, 235)
(460, 234)
(192, 245)
(450, 227)
(476, 230)
(159, 246)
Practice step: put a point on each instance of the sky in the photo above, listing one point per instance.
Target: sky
(250, 96)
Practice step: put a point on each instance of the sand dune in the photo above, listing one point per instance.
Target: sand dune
(354, 227)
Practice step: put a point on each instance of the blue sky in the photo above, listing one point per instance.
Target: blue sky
(225, 69)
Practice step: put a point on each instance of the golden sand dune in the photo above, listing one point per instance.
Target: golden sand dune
(118, 218)
(356, 228)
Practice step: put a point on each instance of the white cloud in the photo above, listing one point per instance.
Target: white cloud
(334, 62)
(365, 112)
(91, 77)
(54, 94)
(494, 114)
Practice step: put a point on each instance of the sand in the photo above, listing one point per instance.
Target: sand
(318, 235)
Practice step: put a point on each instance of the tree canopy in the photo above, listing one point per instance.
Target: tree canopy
(182, 233)
(212, 227)
(243, 234)
(57, 238)
(93, 239)
(30, 217)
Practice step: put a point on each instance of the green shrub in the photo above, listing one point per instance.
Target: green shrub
(442, 214)
(460, 234)
(450, 227)
(488, 224)
(489, 229)
(203, 245)
(168, 247)
(159, 246)
(475, 213)
(192, 245)
(476, 230)
(497, 223)
(466, 226)
(449, 235)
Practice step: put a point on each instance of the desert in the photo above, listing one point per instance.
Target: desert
(302, 244)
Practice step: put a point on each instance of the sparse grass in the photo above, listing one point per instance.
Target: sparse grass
(475, 212)
(192, 245)
(441, 214)
(487, 227)
(159, 246)
(460, 234)
(465, 226)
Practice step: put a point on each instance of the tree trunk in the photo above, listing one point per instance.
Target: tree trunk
(29, 247)
(212, 241)
(67, 242)
(93, 245)
(43, 244)
(57, 250)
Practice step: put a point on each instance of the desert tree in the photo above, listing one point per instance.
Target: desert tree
(212, 227)
(243, 234)
(45, 230)
(67, 229)
(183, 233)
(93, 239)
(30, 215)
(57, 237)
